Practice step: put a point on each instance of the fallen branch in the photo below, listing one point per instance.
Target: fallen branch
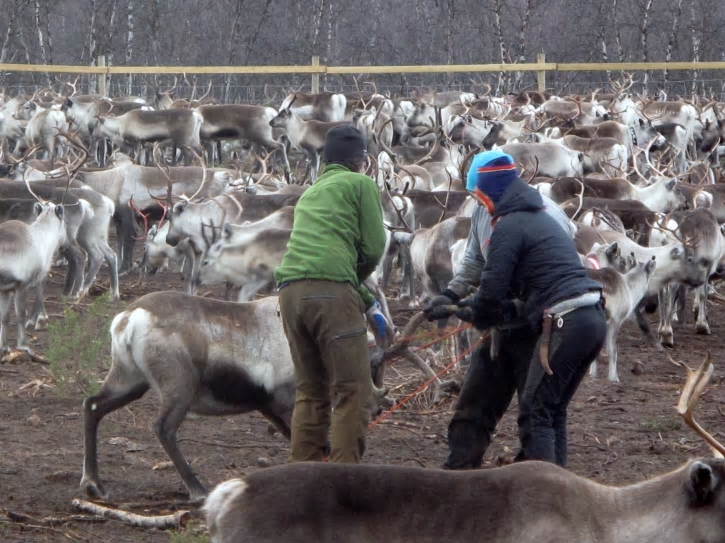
(176, 520)
(22, 518)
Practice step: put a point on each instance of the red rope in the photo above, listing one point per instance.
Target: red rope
(425, 385)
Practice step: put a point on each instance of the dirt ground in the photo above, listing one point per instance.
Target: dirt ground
(619, 433)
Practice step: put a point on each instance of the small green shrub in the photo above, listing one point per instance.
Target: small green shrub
(79, 346)
(192, 533)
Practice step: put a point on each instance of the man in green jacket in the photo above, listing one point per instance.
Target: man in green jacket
(337, 241)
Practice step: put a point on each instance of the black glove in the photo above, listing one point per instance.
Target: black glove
(484, 313)
(440, 306)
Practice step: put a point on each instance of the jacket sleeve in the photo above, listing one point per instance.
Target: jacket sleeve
(503, 258)
(372, 231)
(469, 273)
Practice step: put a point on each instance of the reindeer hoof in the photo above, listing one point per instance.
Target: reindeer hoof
(702, 329)
(93, 489)
(40, 324)
(197, 496)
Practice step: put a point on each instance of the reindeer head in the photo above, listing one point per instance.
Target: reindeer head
(282, 119)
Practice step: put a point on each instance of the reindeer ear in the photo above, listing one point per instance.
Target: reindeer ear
(38, 208)
(671, 184)
(60, 211)
(612, 251)
(226, 231)
(702, 482)
(676, 253)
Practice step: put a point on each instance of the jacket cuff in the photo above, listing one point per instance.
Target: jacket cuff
(455, 298)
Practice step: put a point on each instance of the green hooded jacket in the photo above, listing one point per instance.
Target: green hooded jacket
(338, 232)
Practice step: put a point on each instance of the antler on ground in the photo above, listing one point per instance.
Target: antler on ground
(696, 382)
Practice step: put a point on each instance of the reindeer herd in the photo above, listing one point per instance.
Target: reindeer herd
(210, 189)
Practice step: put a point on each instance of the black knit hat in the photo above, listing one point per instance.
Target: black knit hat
(343, 143)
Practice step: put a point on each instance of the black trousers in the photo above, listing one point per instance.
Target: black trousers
(490, 384)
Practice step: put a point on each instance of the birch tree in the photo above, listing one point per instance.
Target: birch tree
(672, 40)
(129, 43)
(696, 40)
(644, 35)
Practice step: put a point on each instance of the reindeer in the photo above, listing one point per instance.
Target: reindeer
(44, 128)
(26, 255)
(699, 229)
(200, 355)
(662, 196)
(249, 261)
(319, 502)
(550, 159)
(201, 223)
(324, 106)
(240, 121)
(158, 254)
(307, 136)
(623, 292)
(178, 127)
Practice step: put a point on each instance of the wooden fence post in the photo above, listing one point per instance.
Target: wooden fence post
(102, 78)
(541, 74)
(315, 76)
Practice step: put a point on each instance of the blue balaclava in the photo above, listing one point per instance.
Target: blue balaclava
(489, 175)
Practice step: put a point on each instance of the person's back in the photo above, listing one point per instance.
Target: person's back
(337, 221)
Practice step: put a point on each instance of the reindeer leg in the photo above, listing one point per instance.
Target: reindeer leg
(121, 387)
(701, 324)
(112, 262)
(665, 310)
(21, 298)
(611, 342)
(644, 327)
(176, 401)
(39, 319)
(94, 264)
(4, 320)
(248, 290)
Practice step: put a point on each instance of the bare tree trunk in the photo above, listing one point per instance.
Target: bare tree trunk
(20, 35)
(696, 40)
(39, 28)
(5, 51)
(498, 31)
(328, 42)
(233, 46)
(316, 24)
(523, 30)
(129, 45)
(644, 35)
(671, 41)
(617, 33)
(449, 18)
(92, 45)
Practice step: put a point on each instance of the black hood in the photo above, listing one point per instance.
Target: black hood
(519, 197)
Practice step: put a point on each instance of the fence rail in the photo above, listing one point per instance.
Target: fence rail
(538, 69)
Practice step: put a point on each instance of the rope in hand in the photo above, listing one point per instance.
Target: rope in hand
(430, 381)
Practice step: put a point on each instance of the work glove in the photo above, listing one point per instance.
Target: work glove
(440, 307)
(381, 326)
(484, 313)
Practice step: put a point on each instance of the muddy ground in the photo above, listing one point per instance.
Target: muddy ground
(619, 433)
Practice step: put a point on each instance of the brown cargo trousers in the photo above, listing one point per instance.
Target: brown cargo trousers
(327, 335)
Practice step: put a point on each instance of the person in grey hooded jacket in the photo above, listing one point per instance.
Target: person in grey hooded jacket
(529, 278)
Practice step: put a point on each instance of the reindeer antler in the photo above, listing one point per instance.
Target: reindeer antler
(692, 391)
